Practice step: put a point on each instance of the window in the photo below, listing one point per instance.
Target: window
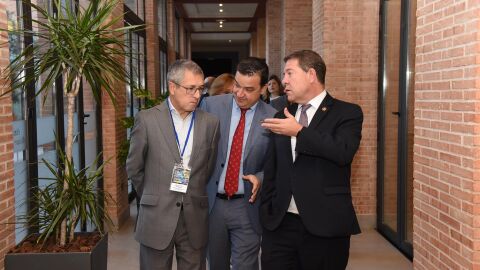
(135, 64)
(14, 15)
(137, 7)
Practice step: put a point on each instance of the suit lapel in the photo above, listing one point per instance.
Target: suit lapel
(322, 111)
(198, 130)
(225, 127)
(164, 123)
(254, 128)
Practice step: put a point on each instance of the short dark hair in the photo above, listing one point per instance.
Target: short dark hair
(308, 59)
(253, 65)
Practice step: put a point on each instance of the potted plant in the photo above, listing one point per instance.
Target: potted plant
(75, 43)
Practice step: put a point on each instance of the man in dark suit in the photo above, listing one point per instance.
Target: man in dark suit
(235, 230)
(306, 203)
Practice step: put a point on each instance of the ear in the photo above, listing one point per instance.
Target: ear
(264, 88)
(171, 88)
(312, 75)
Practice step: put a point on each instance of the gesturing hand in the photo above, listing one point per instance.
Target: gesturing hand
(288, 126)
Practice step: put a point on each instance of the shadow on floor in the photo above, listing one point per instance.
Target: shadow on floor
(369, 250)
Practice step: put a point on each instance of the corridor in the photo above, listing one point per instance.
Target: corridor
(369, 251)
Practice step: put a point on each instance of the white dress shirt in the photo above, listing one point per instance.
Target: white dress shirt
(315, 102)
(181, 127)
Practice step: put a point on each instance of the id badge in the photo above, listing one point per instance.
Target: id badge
(180, 178)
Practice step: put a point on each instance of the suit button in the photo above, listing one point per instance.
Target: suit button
(222, 165)
(178, 204)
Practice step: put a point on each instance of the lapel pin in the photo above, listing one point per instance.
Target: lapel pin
(324, 109)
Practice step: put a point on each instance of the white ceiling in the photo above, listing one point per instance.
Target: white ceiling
(213, 10)
(203, 18)
(214, 26)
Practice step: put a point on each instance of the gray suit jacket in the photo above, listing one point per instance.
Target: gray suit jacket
(153, 152)
(255, 149)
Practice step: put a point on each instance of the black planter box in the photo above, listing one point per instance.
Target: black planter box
(93, 260)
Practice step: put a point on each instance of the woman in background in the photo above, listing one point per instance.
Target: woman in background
(223, 84)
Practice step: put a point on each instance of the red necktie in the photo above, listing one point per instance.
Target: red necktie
(233, 169)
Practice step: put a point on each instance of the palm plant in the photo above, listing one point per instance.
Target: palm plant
(77, 204)
(75, 43)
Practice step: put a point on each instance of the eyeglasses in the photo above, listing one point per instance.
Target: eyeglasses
(192, 89)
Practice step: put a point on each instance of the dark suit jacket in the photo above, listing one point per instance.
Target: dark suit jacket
(319, 179)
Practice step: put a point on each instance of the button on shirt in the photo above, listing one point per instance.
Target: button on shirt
(236, 113)
(315, 102)
(181, 127)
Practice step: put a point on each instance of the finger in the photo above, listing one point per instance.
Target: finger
(254, 194)
(269, 126)
(269, 120)
(253, 198)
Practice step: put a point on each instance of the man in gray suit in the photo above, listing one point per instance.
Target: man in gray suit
(172, 152)
(234, 228)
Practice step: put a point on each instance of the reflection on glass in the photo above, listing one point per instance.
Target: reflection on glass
(137, 6)
(391, 80)
(163, 72)
(162, 19)
(410, 121)
(14, 20)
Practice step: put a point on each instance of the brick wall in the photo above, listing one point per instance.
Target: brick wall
(7, 215)
(345, 33)
(297, 25)
(153, 51)
(273, 22)
(447, 153)
(115, 177)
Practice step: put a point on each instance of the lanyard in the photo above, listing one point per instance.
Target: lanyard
(175, 131)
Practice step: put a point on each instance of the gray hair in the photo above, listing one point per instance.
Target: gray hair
(176, 71)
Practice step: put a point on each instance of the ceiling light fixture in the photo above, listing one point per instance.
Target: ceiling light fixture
(221, 26)
(221, 10)
(230, 41)
(220, 5)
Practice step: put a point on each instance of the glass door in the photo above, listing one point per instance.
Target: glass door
(395, 123)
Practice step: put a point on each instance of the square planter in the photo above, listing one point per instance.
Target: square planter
(93, 260)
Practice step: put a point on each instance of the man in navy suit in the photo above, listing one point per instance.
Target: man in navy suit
(306, 203)
(235, 230)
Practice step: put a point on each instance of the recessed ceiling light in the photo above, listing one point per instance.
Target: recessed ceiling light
(221, 25)
(221, 22)
(220, 5)
(221, 10)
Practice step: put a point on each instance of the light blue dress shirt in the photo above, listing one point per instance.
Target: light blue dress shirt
(236, 114)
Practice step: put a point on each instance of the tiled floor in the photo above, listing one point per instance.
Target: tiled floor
(369, 251)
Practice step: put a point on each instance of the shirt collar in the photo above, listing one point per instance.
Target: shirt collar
(316, 101)
(173, 110)
(235, 105)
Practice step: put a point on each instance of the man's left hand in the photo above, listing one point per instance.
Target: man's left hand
(288, 126)
(256, 186)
